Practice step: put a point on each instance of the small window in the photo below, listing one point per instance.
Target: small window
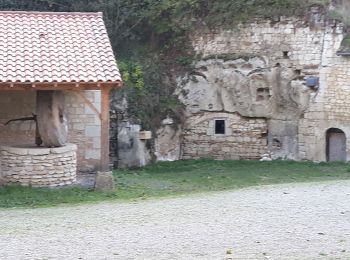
(286, 54)
(220, 127)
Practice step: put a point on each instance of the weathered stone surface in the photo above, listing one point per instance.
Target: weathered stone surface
(64, 149)
(252, 87)
(14, 150)
(104, 182)
(244, 139)
(168, 143)
(38, 151)
(253, 77)
(38, 167)
(132, 152)
(256, 87)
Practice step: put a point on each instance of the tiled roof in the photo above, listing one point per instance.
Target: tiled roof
(55, 47)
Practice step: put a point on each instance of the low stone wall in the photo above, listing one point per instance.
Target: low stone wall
(39, 167)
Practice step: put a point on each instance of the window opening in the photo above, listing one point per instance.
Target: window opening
(220, 127)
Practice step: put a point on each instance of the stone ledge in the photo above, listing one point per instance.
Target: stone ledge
(64, 149)
(38, 150)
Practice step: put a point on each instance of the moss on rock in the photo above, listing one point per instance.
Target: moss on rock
(344, 49)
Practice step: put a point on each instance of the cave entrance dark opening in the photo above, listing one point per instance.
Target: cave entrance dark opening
(335, 145)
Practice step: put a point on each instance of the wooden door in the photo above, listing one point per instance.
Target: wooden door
(336, 145)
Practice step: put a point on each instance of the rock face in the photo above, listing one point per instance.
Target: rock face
(132, 151)
(168, 141)
(251, 87)
(129, 146)
(268, 87)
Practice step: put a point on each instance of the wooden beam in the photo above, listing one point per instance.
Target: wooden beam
(6, 86)
(80, 95)
(105, 128)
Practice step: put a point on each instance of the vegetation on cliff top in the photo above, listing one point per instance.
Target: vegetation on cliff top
(160, 21)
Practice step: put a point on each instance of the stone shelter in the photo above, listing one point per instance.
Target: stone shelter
(68, 52)
(268, 88)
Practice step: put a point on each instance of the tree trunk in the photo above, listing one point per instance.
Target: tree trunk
(51, 118)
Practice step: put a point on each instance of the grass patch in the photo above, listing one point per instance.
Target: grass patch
(181, 177)
(16, 196)
(178, 178)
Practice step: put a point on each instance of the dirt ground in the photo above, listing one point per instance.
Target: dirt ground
(293, 221)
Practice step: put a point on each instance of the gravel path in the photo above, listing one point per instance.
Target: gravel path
(294, 221)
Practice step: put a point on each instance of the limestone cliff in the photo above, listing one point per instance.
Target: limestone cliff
(261, 87)
(249, 86)
(253, 87)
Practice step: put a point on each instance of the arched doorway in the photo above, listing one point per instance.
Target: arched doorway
(335, 145)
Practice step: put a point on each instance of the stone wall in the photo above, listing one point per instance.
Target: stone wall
(85, 128)
(84, 124)
(244, 138)
(39, 167)
(259, 70)
(330, 108)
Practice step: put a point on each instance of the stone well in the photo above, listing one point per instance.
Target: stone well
(39, 166)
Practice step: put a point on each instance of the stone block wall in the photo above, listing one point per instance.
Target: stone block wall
(291, 39)
(330, 108)
(244, 138)
(39, 167)
(287, 51)
(84, 124)
(307, 47)
(85, 128)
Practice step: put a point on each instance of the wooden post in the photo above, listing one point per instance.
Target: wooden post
(105, 128)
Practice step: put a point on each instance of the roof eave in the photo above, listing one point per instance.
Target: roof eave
(8, 86)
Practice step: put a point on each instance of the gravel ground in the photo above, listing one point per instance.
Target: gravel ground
(294, 221)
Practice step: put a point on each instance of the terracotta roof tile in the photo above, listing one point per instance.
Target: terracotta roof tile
(55, 47)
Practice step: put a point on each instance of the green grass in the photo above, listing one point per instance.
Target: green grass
(181, 177)
(15, 196)
(178, 178)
